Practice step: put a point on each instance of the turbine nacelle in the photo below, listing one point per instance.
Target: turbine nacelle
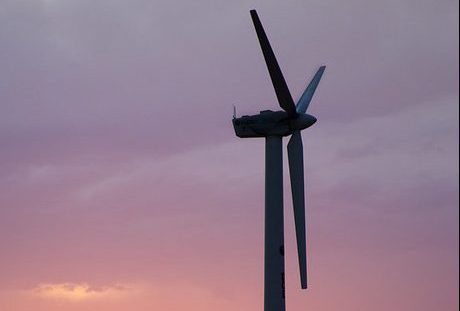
(271, 123)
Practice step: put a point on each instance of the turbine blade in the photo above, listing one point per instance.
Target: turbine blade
(307, 95)
(295, 156)
(279, 84)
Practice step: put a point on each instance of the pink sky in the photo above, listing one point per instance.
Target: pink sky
(123, 186)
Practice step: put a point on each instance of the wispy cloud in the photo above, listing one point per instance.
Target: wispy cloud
(79, 291)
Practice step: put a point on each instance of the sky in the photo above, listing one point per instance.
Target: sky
(123, 186)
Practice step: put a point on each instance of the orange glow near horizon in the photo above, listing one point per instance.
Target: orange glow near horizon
(78, 292)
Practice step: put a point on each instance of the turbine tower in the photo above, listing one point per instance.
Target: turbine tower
(273, 125)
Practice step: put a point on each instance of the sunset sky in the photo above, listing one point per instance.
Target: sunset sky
(124, 188)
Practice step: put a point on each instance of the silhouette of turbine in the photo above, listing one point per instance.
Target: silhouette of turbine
(273, 125)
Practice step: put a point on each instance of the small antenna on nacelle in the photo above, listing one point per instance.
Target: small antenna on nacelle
(234, 112)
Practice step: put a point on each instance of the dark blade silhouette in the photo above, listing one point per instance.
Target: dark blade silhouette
(305, 99)
(296, 171)
(279, 84)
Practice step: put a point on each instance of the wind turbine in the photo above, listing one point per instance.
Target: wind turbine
(273, 125)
